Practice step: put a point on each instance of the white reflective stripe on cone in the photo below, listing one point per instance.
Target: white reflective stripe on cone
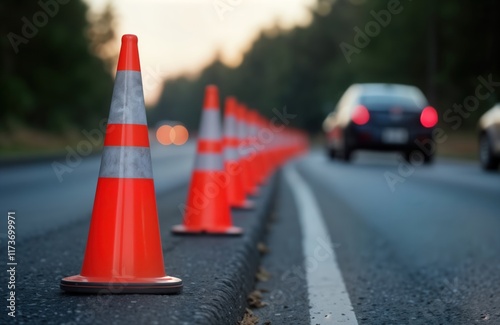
(246, 151)
(210, 125)
(230, 154)
(230, 130)
(252, 130)
(126, 162)
(127, 104)
(208, 162)
(242, 131)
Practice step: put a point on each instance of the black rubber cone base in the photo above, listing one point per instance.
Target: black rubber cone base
(229, 231)
(80, 284)
(247, 205)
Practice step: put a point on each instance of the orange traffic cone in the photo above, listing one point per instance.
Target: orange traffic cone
(232, 163)
(124, 253)
(259, 160)
(247, 153)
(265, 138)
(207, 207)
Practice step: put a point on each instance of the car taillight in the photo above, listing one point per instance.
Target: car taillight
(360, 116)
(429, 117)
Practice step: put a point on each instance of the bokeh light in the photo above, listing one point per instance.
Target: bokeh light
(179, 135)
(163, 134)
(176, 134)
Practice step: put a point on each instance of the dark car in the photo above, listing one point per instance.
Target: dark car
(381, 117)
(489, 138)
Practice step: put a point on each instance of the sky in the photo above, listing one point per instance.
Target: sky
(182, 36)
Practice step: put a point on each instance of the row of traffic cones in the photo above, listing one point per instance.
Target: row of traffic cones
(124, 251)
(230, 165)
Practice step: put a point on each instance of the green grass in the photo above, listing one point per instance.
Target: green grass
(28, 143)
(460, 145)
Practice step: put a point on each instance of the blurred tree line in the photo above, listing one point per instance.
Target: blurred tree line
(54, 67)
(440, 46)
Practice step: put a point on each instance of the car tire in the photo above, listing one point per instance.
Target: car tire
(347, 154)
(428, 159)
(332, 153)
(486, 157)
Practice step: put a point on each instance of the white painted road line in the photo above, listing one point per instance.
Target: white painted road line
(328, 297)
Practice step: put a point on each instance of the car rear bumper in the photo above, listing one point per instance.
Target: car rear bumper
(391, 138)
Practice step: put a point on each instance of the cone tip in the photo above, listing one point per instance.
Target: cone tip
(230, 106)
(240, 113)
(253, 116)
(129, 54)
(211, 97)
(129, 38)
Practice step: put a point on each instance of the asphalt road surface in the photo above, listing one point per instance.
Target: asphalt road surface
(412, 244)
(423, 250)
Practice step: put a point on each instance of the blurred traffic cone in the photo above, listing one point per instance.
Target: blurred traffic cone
(269, 147)
(207, 207)
(232, 164)
(263, 139)
(256, 143)
(124, 253)
(247, 153)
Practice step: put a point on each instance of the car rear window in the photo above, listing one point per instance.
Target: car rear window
(386, 102)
